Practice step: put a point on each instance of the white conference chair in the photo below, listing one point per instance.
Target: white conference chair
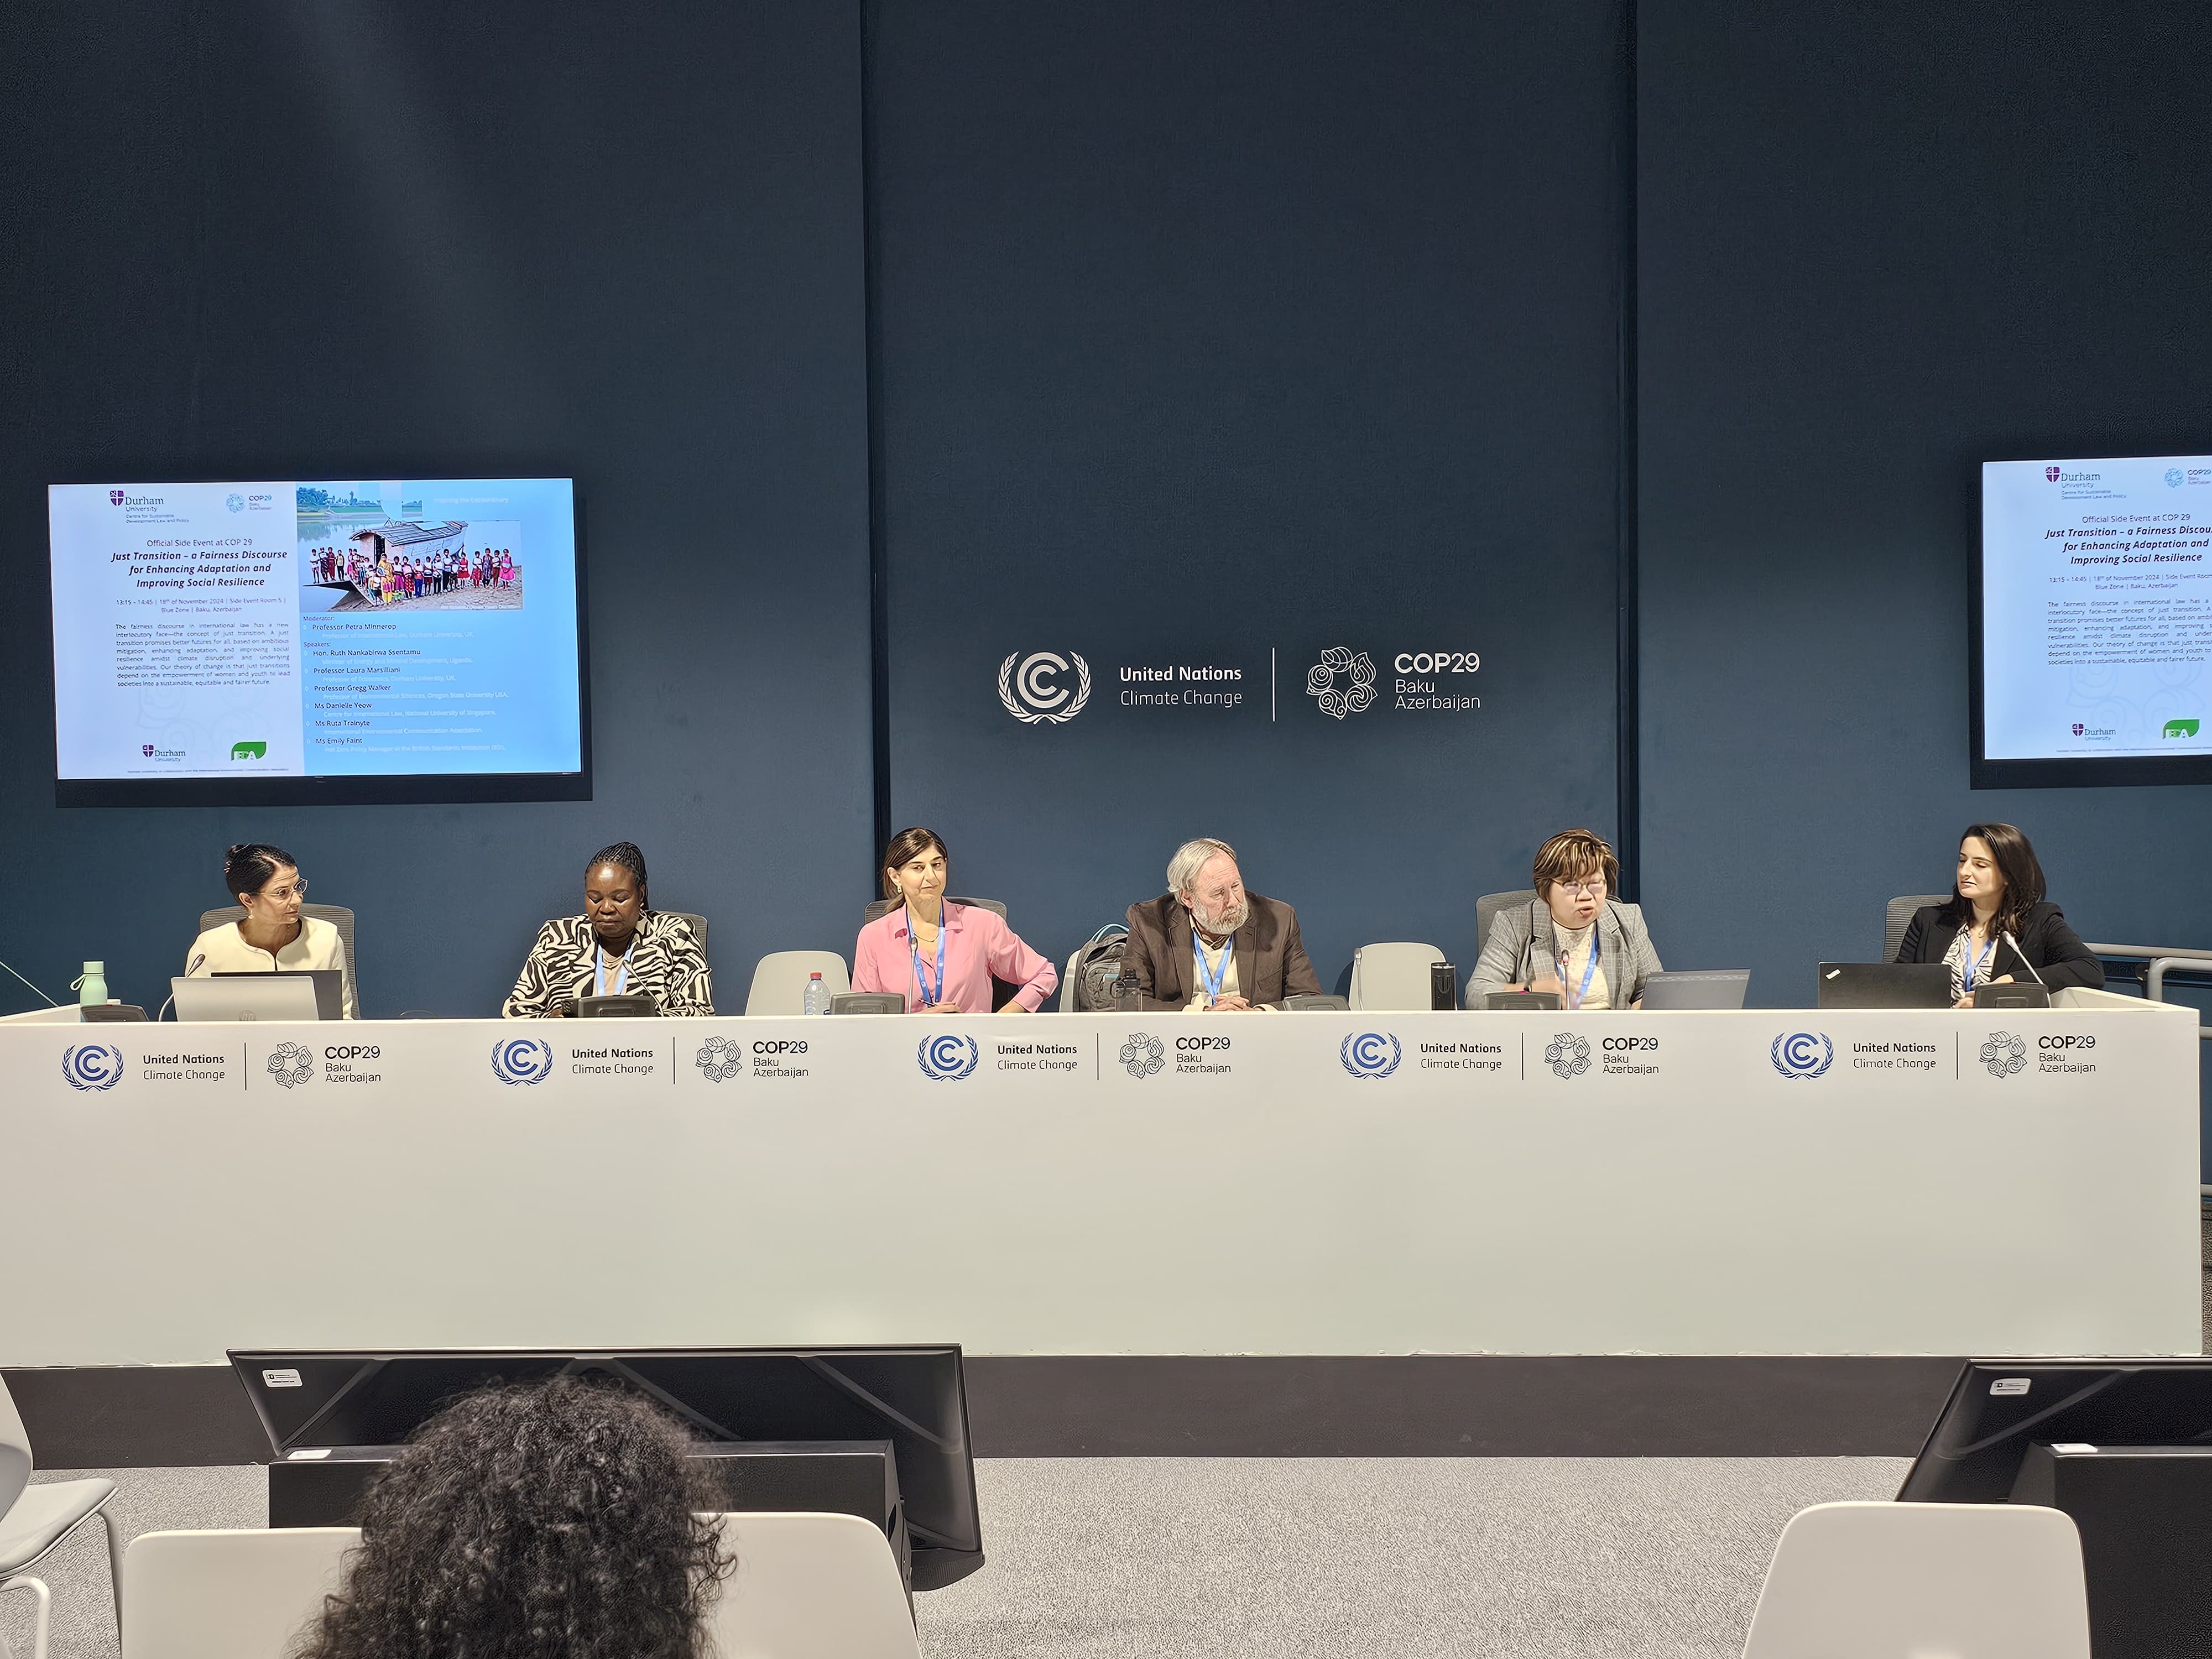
(243, 1594)
(807, 1587)
(1393, 975)
(33, 1520)
(780, 978)
(812, 1587)
(1968, 1581)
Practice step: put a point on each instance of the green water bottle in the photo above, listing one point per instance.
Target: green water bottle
(91, 986)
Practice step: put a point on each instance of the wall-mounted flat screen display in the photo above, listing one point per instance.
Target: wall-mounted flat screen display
(2093, 626)
(333, 639)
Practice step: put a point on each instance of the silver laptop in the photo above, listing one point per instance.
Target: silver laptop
(252, 996)
(1709, 987)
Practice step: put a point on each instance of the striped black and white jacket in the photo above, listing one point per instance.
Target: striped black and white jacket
(665, 963)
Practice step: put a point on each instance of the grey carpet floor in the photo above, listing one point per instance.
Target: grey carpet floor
(1274, 1559)
(1166, 1557)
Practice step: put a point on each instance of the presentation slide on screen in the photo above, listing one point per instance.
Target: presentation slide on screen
(326, 629)
(2096, 607)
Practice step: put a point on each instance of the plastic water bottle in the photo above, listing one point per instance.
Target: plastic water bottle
(817, 995)
(91, 986)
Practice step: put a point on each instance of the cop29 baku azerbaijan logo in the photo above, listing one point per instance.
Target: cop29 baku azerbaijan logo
(1357, 691)
(291, 1064)
(947, 1059)
(2173, 477)
(1036, 694)
(1142, 1055)
(92, 1065)
(521, 1059)
(1370, 1055)
(2004, 1055)
(1803, 1053)
(1567, 1054)
(720, 1059)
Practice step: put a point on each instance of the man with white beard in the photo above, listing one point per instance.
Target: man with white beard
(1205, 944)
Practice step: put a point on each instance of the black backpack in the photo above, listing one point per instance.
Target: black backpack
(1097, 965)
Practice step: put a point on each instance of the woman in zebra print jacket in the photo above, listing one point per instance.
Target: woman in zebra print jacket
(618, 945)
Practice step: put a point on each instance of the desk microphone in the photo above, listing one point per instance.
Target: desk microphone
(2024, 961)
(193, 966)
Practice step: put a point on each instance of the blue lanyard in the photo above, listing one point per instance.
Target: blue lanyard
(931, 996)
(1214, 980)
(1974, 959)
(1589, 970)
(621, 973)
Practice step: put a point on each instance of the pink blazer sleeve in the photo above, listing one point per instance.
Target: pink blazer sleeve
(875, 966)
(1015, 962)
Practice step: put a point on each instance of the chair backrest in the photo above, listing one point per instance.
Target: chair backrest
(1393, 975)
(778, 984)
(337, 915)
(228, 1594)
(883, 907)
(812, 1587)
(16, 1461)
(1487, 907)
(1967, 1579)
(698, 930)
(1900, 918)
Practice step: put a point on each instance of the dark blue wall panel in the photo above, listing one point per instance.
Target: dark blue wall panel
(344, 237)
(1210, 332)
(1880, 243)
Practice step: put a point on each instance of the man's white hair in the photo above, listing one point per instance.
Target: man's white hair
(1190, 858)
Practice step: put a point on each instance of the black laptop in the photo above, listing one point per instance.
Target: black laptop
(1885, 985)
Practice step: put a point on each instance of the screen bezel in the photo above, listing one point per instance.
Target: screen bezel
(396, 789)
(2082, 772)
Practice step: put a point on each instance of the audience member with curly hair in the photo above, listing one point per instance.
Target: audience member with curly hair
(555, 1520)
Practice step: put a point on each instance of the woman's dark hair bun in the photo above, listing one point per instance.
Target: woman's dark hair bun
(248, 864)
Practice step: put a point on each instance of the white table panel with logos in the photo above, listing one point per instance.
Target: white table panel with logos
(1699, 1183)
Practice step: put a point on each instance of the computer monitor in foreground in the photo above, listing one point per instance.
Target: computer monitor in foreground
(1999, 1408)
(914, 1397)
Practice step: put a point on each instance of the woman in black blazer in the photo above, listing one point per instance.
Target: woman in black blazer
(1997, 915)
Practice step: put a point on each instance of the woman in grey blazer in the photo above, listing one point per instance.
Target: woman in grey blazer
(1573, 938)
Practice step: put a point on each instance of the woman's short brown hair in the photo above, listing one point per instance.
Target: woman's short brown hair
(1576, 855)
(905, 846)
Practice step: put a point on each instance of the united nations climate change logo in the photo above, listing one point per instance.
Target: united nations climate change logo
(947, 1059)
(1370, 1055)
(1033, 693)
(1142, 1055)
(1567, 1054)
(1801, 1054)
(92, 1065)
(2005, 1055)
(720, 1059)
(1336, 701)
(291, 1064)
(521, 1059)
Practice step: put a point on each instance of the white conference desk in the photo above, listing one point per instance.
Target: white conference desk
(1762, 1182)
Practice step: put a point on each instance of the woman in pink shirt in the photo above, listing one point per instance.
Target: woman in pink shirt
(940, 957)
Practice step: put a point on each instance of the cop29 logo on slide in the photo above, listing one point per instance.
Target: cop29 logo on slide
(947, 1059)
(1036, 692)
(1370, 1055)
(92, 1065)
(1801, 1055)
(521, 1059)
